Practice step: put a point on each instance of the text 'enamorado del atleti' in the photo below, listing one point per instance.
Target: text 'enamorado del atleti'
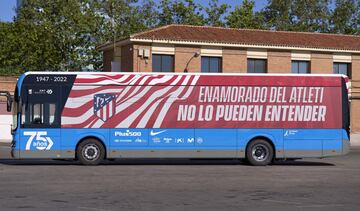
(251, 103)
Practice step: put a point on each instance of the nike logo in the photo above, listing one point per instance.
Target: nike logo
(152, 133)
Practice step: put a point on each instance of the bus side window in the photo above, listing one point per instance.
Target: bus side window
(52, 113)
(38, 114)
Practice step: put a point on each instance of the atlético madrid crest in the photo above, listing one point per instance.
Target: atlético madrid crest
(104, 106)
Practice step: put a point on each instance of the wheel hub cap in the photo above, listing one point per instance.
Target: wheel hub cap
(260, 152)
(91, 152)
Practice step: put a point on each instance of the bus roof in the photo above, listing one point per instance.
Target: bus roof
(179, 73)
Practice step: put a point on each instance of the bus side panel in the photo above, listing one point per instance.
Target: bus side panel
(275, 136)
(173, 143)
(128, 138)
(71, 137)
(39, 143)
(151, 143)
(302, 143)
(216, 143)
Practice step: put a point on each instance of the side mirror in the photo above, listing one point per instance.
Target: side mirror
(8, 103)
(8, 99)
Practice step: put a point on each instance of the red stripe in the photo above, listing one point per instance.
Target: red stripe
(99, 79)
(131, 93)
(182, 94)
(81, 125)
(108, 110)
(113, 108)
(93, 122)
(79, 111)
(119, 101)
(76, 112)
(119, 117)
(152, 77)
(102, 113)
(151, 122)
(162, 97)
(80, 93)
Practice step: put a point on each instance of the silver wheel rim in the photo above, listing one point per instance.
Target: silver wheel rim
(91, 152)
(260, 152)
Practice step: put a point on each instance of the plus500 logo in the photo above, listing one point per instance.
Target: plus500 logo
(38, 140)
(127, 133)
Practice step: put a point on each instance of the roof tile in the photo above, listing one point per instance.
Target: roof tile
(251, 37)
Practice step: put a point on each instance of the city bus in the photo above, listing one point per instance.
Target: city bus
(91, 117)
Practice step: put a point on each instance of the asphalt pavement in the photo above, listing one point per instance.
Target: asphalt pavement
(309, 184)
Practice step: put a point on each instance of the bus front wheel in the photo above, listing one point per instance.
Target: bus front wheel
(259, 152)
(90, 152)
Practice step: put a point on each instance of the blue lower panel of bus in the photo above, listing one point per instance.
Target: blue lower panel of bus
(181, 142)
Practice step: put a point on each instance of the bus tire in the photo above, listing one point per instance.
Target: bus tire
(90, 152)
(259, 152)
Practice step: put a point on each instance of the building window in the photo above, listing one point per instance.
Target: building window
(162, 63)
(300, 67)
(211, 64)
(256, 66)
(342, 68)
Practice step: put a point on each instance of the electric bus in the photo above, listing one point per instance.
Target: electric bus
(260, 117)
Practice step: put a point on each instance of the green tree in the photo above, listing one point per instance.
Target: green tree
(54, 35)
(60, 35)
(148, 14)
(244, 16)
(29, 46)
(180, 12)
(298, 15)
(278, 15)
(8, 56)
(187, 12)
(165, 16)
(311, 15)
(344, 17)
(120, 18)
(215, 12)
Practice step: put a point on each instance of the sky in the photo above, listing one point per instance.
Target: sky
(7, 7)
(7, 10)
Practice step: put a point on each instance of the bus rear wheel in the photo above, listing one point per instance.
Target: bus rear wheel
(259, 152)
(90, 152)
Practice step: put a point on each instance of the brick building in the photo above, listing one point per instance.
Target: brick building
(174, 48)
(6, 84)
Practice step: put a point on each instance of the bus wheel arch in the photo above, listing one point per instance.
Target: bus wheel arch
(90, 150)
(260, 151)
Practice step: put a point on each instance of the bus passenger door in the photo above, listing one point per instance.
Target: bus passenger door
(40, 122)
